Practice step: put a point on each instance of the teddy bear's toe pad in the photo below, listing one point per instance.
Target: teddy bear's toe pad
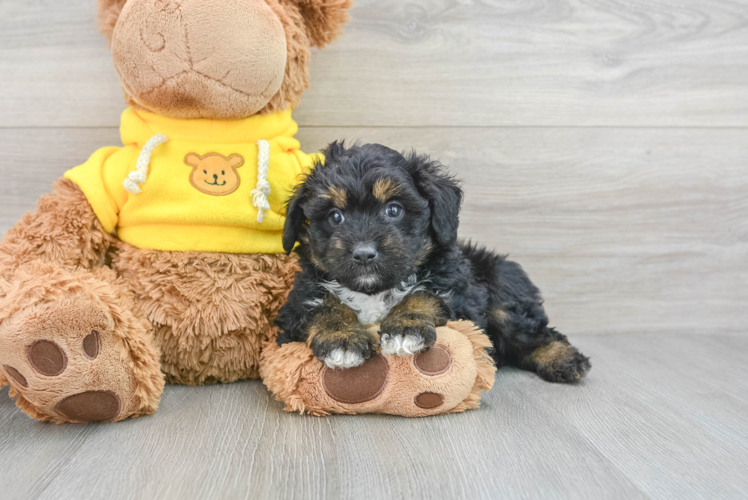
(16, 375)
(47, 358)
(428, 400)
(435, 361)
(91, 345)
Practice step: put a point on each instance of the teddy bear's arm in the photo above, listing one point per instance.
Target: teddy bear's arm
(63, 229)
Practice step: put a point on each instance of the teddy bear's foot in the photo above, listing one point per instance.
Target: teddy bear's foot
(447, 378)
(70, 358)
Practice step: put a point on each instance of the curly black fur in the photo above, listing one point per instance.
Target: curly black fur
(361, 183)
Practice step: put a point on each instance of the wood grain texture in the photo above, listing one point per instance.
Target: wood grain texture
(436, 63)
(624, 230)
(657, 418)
(603, 144)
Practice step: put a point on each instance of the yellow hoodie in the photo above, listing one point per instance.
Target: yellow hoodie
(181, 185)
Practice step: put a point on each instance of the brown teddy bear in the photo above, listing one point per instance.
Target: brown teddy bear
(161, 261)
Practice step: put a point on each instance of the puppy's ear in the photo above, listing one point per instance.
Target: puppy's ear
(108, 13)
(294, 217)
(324, 19)
(442, 192)
(335, 151)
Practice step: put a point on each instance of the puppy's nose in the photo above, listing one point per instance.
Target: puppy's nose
(215, 177)
(364, 253)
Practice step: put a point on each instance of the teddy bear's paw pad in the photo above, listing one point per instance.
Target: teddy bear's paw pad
(16, 375)
(91, 345)
(47, 358)
(428, 400)
(90, 406)
(359, 384)
(435, 361)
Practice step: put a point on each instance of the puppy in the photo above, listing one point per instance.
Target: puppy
(377, 234)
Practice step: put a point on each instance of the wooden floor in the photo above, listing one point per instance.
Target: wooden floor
(661, 416)
(603, 144)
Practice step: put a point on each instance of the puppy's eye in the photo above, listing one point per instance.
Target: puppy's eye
(205, 171)
(336, 217)
(394, 210)
(223, 172)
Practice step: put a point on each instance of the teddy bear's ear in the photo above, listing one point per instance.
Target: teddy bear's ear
(324, 19)
(193, 160)
(235, 161)
(109, 11)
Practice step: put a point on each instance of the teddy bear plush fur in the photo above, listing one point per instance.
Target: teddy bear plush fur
(92, 327)
(161, 261)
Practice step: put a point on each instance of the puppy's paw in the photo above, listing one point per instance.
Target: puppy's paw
(560, 362)
(405, 338)
(343, 358)
(401, 345)
(342, 349)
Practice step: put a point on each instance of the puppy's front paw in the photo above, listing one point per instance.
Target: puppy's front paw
(342, 348)
(411, 325)
(406, 338)
(343, 358)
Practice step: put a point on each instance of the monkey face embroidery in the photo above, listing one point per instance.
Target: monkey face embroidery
(214, 173)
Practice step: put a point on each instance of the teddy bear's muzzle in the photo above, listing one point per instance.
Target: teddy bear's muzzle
(176, 59)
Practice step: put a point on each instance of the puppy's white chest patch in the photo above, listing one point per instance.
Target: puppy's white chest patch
(373, 308)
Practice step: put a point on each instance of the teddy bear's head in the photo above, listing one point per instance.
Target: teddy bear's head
(221, 59)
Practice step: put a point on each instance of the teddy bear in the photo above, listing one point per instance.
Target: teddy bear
(161, 261)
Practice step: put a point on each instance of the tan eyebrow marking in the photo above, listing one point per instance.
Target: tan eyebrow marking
(385, 188)
(337, 195)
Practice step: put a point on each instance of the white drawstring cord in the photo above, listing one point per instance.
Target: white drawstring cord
(140, 174)
(262, 191)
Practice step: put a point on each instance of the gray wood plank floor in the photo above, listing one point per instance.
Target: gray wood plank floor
(603, 144)
(646, 424)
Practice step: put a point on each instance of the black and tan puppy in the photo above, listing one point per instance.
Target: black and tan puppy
(378, 244)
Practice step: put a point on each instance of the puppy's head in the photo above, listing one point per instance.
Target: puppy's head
(370, 216)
